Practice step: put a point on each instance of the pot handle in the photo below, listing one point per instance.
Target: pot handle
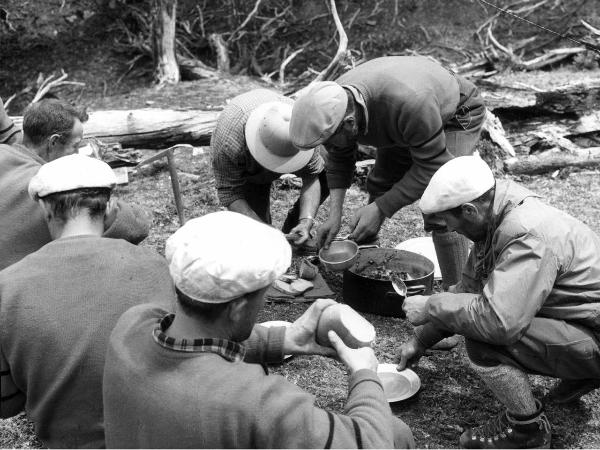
(415, 290)
(360, 247)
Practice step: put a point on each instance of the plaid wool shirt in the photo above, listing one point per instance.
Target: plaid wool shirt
(232, 163)
(231, 351)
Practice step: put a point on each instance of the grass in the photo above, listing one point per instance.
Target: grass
(452, 396)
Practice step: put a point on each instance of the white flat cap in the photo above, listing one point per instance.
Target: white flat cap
(71, 172)
(460, 180)
(317, 114)
(224, 255)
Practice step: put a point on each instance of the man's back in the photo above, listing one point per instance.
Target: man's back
(24, 229)
(57, 309)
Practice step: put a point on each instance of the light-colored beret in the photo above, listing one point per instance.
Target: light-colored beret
(224, 255)
(460, 180)
(71, 172)
(317, 114)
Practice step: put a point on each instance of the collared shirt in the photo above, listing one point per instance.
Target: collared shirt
(231, 351)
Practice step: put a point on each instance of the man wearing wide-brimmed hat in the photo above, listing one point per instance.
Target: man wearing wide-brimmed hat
(59, 304)
(251, 149)
(417, 114)
(194, 379)
(528, 300)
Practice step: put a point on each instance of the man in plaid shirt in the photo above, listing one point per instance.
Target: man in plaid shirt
(251, 148)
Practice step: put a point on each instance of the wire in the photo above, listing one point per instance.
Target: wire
(587, 45)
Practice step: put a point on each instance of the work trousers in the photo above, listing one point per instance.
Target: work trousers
(550, 347)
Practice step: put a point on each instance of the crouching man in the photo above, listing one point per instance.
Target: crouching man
(528, 300)
(59, 304)
(191, 379)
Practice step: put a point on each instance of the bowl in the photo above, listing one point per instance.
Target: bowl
(339, 256)
(398, 386)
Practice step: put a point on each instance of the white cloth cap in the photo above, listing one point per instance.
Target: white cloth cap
(224, 255)
(71, 172)
(460, 180)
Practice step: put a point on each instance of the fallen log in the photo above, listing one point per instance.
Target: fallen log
(552, 160)
(577, 97)
(149, 128)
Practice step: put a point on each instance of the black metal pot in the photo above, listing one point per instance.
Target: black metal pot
(377, 296)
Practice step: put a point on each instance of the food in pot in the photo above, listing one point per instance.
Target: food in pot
(350, 326)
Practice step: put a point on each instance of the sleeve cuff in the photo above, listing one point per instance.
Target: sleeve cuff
(361, 376)
(274, 352)
(428, 335)
(392, 201)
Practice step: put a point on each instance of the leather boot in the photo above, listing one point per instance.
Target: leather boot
(506, 431)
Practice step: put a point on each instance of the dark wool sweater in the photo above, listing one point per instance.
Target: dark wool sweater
(409, 99)
(24, 229)
(57, 309)
(157, 397)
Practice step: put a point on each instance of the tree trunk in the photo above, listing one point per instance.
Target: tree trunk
(220, 47)
(552, 160)
(149, 128)
(167, 69)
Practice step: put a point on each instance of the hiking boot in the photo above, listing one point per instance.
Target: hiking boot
(570, 390)
(505, 431)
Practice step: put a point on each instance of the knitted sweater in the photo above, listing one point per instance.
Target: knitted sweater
(57, 309)
(408, 102)
(24, 229)
(156, 397)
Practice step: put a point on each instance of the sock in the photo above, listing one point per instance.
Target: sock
(452, 250)
(511, 386)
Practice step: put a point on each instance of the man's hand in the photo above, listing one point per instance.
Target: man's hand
(299, 337)
(111, 213)
(328, 230)
(410, 353)
(354, 359)
(366, 223)
(301, 232)
(415, 308)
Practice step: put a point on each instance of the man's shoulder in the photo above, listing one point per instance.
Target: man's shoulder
(17, 156)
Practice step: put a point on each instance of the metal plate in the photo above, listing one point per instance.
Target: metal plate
(398, 386)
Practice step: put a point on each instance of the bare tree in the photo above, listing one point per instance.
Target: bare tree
(167, 69)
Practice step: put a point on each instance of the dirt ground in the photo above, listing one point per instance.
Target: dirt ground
(451, 396)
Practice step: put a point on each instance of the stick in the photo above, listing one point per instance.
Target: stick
(246, 20)
(286, 61)
(175, 184)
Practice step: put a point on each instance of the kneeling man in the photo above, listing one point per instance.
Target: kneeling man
(528, 300)
(188, 380)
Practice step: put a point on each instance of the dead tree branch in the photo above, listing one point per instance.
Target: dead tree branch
(49, 83)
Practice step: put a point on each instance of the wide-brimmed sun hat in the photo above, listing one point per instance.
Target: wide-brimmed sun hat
(268, 139)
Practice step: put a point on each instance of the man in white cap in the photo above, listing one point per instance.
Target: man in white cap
(191, 379)
(59, 304)
(251, 148)
(51, 129)
(417, 114)
(528, 300)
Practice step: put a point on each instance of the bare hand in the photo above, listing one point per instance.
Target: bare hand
(301, 232)
(415, 308)
(409, 354)
(111, 213)
(327, 231)
(299, 338)
(354, 359)
(366, 223)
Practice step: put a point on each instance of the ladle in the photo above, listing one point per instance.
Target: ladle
(398, 284)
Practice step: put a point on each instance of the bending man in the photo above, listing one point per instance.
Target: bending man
(417, 114)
